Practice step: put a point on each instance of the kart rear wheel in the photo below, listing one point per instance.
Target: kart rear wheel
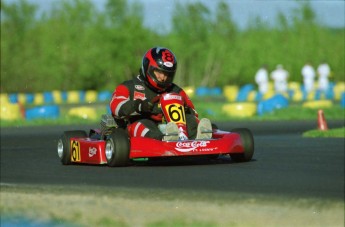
(248, 144)
(117, 148)
(64, 145)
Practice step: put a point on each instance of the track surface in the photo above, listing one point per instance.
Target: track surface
(284, 164)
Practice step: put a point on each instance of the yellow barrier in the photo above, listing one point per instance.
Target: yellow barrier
(38, 99)
(297, 95)
(311, 96)
(339, 88)
(295, 86)
(22, 98)
(241, 109)
(230, 92)
(252, 96)
(73, 97)
(57, 96)
(91, 96)
(190, 91)
(83, 112)
(4, 98)
(10, 111)
(269, 94)
(318, 104)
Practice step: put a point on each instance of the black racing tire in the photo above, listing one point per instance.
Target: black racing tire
(248, 143)
(117, 148)
(64, 145)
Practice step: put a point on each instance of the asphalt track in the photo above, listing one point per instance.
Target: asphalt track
(284, 164)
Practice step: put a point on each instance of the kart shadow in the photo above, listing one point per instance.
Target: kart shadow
(177, 161)
(186, 161)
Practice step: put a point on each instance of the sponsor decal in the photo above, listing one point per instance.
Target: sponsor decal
(189, 146)
(168, 64)
(139, 87)
(92, 151)
(170, 97)
(139, 95)
(176, 113)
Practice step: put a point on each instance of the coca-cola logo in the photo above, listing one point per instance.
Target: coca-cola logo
(188, 146)
(92, 151)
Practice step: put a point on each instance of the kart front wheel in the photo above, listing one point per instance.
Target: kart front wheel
(248, 144)
(64, 145)
(117, 148)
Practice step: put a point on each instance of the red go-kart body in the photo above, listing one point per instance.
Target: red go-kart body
(115, 148)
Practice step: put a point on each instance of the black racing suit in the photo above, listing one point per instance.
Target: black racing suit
(122, 106)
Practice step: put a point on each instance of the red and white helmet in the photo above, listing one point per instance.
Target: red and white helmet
(162, 59)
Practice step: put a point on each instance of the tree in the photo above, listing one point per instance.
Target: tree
(17, 21)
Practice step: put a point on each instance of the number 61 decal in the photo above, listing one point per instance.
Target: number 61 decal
(176, 113)
(75, 152)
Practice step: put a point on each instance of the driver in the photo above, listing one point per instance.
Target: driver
(134, 102)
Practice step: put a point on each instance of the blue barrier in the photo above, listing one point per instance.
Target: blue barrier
(48, 97)
(208, 91)
(108, 109)
(276, 102)
(64, 96)
(202, 91)
(243, 93)
(13, 98)
(330, 91)
(43, 112)
(216, 91)
(104, 96)
(259, 96)
(342, 100)
(29, 98)
(82, 96)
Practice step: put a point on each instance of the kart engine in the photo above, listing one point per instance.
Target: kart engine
(107, 124)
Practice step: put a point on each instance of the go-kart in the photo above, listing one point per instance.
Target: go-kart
(112, 145)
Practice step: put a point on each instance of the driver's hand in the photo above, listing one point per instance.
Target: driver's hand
(143, 106)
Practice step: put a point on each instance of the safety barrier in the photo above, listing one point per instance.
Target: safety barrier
(42, 112)
(318, 104)
(240, 109)
(10, 111)
(208, 91)
(58, 97)
(276, 102)
(190, 91)
(342, 100)
(242, 97)
(232, 93)
(83, 112)
(244, 91)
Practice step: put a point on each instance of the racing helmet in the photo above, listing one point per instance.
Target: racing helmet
(161, 59)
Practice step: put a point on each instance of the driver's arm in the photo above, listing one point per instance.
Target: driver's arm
(121, 105)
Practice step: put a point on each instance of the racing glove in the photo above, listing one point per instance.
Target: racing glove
(143, 106)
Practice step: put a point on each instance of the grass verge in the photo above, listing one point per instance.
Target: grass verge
(335, 133)
(102, 206)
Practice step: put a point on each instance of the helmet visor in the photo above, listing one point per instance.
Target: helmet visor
(162, 77)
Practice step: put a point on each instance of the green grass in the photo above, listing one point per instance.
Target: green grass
(213, 110)
(149, 207)
(336, 133)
